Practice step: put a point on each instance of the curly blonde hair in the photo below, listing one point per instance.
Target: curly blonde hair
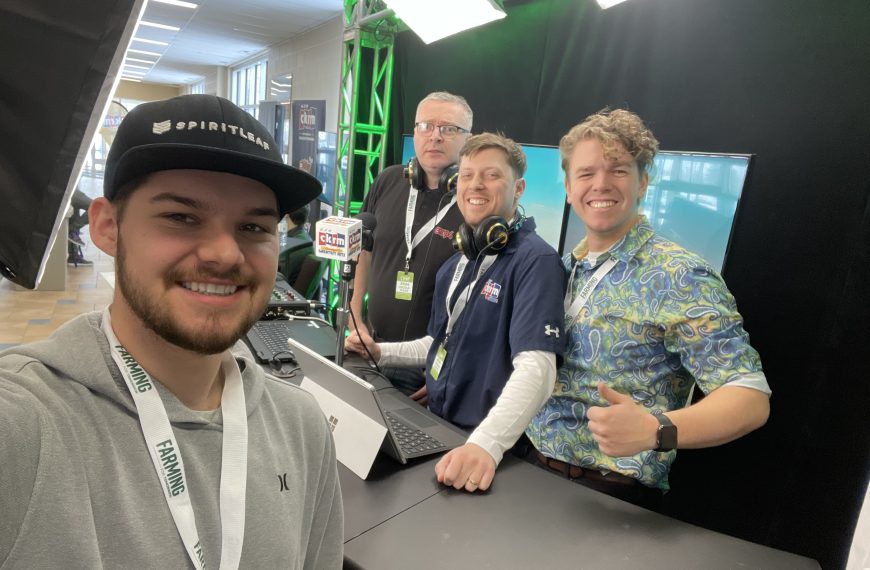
(615, 129)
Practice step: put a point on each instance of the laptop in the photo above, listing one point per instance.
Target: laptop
(268, 339)
(412, 431)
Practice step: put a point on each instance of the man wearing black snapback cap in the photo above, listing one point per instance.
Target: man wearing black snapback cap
(145, 434)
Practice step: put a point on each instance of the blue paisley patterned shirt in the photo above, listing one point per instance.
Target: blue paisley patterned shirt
(661, 320)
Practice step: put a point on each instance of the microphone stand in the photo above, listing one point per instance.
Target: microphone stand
(347, 272)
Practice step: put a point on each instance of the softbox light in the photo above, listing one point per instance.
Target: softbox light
(60, 61)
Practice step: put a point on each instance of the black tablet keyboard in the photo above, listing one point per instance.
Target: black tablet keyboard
(409, 438)
(268, 340)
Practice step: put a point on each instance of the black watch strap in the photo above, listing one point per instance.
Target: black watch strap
(666, 436)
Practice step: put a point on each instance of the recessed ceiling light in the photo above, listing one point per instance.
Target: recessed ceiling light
(139, 60)
(142, 51)
(605, 4)
(131, 66)
(133, 79)
(160, 26)
(178, 3)
(155, 42)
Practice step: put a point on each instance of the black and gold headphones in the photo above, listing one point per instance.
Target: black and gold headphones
(417, 176)
(491, 235)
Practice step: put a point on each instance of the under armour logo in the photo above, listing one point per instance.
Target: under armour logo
(548, 330)
(160, 128)
(333, 422)
(282, 479)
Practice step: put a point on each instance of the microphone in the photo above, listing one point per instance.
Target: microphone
(338, 238)
(342, 239)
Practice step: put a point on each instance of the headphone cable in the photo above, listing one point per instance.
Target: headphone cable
(365, 346)
(423, 266)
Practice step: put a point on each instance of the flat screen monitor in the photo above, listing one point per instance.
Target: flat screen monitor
(691, 199)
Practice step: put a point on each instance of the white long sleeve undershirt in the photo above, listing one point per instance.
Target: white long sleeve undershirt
(526, 390)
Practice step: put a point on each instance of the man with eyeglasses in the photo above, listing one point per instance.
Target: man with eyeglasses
(414, 235)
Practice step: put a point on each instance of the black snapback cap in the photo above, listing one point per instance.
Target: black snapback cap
(203, 132)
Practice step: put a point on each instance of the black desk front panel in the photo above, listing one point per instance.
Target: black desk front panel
(390, 489)
(401, 517)
(534, 519)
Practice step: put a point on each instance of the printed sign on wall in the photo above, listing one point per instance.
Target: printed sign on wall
(308, 118)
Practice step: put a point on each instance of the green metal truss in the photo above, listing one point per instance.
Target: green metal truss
(363, 113)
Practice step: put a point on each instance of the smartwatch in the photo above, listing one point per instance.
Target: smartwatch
(666, 436)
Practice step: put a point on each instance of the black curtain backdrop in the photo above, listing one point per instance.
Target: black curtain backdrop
(788, 81)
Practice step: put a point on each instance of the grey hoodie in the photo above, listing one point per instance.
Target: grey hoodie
(78, 489)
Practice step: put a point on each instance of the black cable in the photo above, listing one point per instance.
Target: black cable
(276, 364)
(511, 229)
(474, 271)
(422, 267)
(281, 373)
(365, 346)
(363, 370)
(468, 292)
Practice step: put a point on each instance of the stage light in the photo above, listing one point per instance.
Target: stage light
(436, 19)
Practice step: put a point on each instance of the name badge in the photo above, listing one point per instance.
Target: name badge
(404, 285)
(440, 357)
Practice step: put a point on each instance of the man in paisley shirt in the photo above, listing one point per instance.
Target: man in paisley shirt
(646, 321)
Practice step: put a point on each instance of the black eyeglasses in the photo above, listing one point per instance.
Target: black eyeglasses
(447, 131)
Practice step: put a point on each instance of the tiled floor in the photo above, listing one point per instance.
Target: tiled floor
(26, 316)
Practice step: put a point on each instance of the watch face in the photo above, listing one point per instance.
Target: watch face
(667, 434)
(667, 438)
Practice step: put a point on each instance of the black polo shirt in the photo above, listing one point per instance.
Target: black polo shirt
(388, 201)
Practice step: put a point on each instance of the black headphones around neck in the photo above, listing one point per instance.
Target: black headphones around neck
(417, 176)
(491, 235)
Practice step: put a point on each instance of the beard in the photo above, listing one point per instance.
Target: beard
(212, 338)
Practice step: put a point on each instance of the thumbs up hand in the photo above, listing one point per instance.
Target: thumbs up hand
(622, 428)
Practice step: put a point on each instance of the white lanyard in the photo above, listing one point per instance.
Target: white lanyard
(425, 229)
(166, 455)
(459, 306)
(572, 307)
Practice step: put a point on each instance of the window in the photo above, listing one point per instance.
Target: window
(197, 88)
(248, 86)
